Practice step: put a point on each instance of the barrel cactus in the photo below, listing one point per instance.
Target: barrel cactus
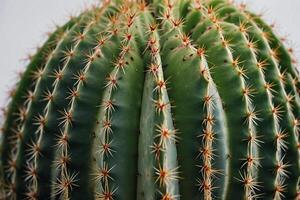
(155, 100)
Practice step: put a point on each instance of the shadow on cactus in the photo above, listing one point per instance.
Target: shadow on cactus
(164, 100)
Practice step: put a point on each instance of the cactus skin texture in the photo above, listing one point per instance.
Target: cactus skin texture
(155, 100)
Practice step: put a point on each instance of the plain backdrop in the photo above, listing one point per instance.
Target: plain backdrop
(23, 24)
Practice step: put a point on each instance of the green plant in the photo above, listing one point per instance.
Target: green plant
(170, 100)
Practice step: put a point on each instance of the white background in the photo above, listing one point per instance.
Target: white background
(23, 24)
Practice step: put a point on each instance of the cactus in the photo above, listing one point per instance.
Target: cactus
(155, 100)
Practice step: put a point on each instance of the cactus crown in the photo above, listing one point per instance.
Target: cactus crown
(162, 100)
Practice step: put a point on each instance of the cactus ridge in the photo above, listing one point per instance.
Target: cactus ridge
(165, 100)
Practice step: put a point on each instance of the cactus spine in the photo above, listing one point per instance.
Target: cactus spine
(165, 100)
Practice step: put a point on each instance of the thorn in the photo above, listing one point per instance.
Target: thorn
(66, 118)
(274, 54)
(266, 35)
(225, 43)
(62, 162)
(58, 74)
(262, 64)
(154, 51)
(282, 77)
(69, 53)
(270, 87)
(108, 106)
(208, 135)
(153, 69)
(48, 96)
(186, 40)
(125, 49)
(248, 92)
(281, 168)
(236, 62)
(142, 6)
(248, 181)
(280, 139)
(107, 126)
(65, 183)
(252, 117)
(160, 84)
(168, 196)
(166, 15)
(113, 19)
(127, 37)
(153, 27)
(120, 64)
(12, 92)
(40, 121)
(29, 97)
(252, 45)
(101, 41)
(79, 77)
(151, 42)
(242, 72)
(204, 72)
(243, 27)
(18, 134)
(112, 81)
(164, 175)
(209, 119)
(31, 195)
(37, 74)
(31, 172)
(21, 114)
(73, 93)
(115, 31)
(251, 161)
(253, 139)
(206, 187)
(206, 152)
(277, 112)
(80, 36)
(90, 57)
(105, 149)
(280, 189)
(165, 134)
(208, 100)
(157, 149)
(210, 10)
(12, 163)
(34, 150)
(296, 122)
(177, 22)
(62, 140)
(201, 52)
(160, 106)
(104, 173)
(107, 194)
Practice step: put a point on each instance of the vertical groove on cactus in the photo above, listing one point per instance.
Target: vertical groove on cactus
(158, 161)
(238, 125)
(85, 54)
(287, 183)
(20, 107)
(118, 141)
(182, 99)
(35, 126)
(200, 168)
(103, 143)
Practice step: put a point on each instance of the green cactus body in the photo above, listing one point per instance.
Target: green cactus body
(165, 100)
